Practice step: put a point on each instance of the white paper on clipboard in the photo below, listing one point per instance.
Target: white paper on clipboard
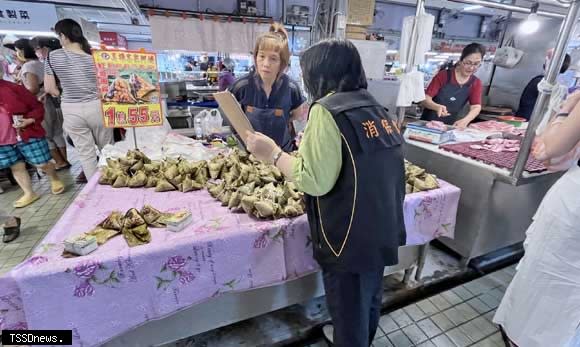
(234, 112)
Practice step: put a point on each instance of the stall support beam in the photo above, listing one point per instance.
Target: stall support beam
(544, 98)
(501, 42)
(341, 10)
(410, 63)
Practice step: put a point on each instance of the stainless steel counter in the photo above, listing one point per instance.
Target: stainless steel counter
(492, 213)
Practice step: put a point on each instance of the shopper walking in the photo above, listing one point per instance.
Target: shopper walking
(541, 306)
(52, 122)
(351, 167)
(267, 95)
(24, 141)
(73, 66)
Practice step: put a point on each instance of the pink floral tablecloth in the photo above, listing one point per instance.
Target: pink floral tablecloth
(116, 288)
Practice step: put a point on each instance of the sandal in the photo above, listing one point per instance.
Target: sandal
(25, 201)
(57, 187)
(11, 229)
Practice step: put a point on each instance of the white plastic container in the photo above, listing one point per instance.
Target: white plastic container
(81, 244)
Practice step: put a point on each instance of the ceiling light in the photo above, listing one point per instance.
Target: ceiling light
(530, 25)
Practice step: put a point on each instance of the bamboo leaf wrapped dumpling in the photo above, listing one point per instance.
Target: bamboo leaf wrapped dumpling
(216, 189)
(265, 209)
(150, 215)
(151, 182)
(215, 168)
(171, 172)
(106, 177)
(186, 185)
(248, 204)
(121, 181)
(137, 236)
(137, 166)
(133, 218)
(176, 181)
(114, 221)
(196, 185)
(113, 163)
(103, 235)
(137, 181)
(164, 186)
(235, 200)
(248, 188)
(185, 168)
(152, 167)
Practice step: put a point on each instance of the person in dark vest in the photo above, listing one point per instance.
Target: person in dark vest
(530, 93)
(451, 89)
(350, 166)
(270, 99)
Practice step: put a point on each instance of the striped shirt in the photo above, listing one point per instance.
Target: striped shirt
(76, 73)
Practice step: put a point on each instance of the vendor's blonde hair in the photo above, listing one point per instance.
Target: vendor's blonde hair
(276, 39)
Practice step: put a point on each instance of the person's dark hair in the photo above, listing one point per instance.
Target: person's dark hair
(566, 63)
(26, 48)
(44, 41)
(472, 48)
(332, 66)
(72, 31)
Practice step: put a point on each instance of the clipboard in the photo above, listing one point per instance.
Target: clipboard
(234, 113)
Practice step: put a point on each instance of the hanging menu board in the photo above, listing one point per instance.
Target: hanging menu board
(128, 83)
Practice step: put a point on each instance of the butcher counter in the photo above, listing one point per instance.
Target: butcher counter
(493, 213)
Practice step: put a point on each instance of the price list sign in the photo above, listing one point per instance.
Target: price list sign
(128, 83)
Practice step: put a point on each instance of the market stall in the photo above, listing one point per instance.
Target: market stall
(499, 195)
(226, 266)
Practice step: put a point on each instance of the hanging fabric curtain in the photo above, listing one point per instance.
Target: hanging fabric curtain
(412, 82)
(208, 35)
(425, 23)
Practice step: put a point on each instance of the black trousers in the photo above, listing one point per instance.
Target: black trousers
(354, 304)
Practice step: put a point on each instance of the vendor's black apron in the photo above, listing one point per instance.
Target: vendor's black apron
(452, 96)
(274, 122)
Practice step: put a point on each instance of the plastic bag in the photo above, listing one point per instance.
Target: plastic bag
(508, 56)
(215, 121)
(411, 89)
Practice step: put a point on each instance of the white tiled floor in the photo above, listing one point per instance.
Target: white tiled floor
(38, 218)
(459, 317)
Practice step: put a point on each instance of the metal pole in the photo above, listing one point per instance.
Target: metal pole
(341, 10)
(135, 137)
(412, 49)
(501, 41)
(543, 98)
(331, 18)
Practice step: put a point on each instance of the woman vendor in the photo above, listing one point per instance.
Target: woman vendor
(350, 166)
(451, 89)
(270, 99)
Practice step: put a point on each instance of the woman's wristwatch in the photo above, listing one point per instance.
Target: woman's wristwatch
(277, 156)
